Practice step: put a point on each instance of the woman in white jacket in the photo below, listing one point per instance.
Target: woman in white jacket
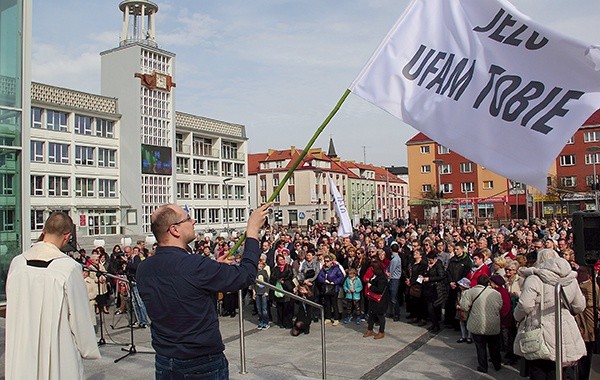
(543, 277)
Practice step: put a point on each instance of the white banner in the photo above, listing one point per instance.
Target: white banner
(345, 227)
(484, 80)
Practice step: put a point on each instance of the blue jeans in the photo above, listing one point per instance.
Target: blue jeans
(209, 367)
(138, 306)
(394, 286)
(262, 303)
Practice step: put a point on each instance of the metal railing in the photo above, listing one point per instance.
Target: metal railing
(558, 329)
(296, 297)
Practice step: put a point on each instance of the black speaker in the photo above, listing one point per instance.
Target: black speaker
(586, 236)
(71, 245)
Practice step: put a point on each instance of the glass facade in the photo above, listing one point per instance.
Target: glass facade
(11, 116)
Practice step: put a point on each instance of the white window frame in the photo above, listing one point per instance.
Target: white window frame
(425, 169)
(83, 156)
(426, 187)
(36, 117)
(591, 157)
(213, 191)
(80, 125)
(107, 158)
(105, 128)
(591, 136)
(468, 187)
(443, 150)
(570, 181)
(445, 169)
(107, 188)
(37, 151)
(567, 160)
(37, 185)
(58, 186)
(84, 187)
(58, 153)
(488, 185)
(425, 149)
(37, 220)
(446, 188)
(199, 166)
(466, 167)
(56, 120)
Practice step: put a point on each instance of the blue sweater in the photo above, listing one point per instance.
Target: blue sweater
(180, 294)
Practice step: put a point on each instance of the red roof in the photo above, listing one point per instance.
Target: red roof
(419, 138)
(594, 119)
(255, 159)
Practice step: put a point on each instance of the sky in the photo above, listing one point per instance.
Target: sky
(276, 66)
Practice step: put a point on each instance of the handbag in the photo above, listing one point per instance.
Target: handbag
(374, 296)
(276, 293)
(330, 289)
(531, 342)
(416, 290)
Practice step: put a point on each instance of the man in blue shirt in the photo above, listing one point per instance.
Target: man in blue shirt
(180, 294)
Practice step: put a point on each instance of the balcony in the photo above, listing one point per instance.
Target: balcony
(203, 151)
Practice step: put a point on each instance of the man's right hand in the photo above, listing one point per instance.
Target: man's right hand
(257, 220)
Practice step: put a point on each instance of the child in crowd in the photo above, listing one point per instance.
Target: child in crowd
(352, 288)
(262, 297)
(466, 335)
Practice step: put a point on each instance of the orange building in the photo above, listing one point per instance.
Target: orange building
(469, 190)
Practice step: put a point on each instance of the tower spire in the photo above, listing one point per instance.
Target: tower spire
(331, 151)
(138, 22)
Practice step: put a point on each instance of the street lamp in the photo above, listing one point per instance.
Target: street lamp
(226, 188)
(438, 163)
(594, 149)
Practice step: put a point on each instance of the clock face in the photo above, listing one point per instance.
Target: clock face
(161, 81)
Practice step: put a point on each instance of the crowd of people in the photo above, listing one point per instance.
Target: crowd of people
(472, 278)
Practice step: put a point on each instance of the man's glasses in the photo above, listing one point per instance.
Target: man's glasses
(187, 218)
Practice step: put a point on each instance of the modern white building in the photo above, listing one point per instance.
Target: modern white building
(110, 160)
(74, 161)
(212, 168)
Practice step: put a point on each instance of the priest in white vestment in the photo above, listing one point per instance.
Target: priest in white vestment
(48, 321)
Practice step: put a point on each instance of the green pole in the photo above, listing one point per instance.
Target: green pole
(297, 162)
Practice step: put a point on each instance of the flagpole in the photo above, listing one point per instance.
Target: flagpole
(296, 163)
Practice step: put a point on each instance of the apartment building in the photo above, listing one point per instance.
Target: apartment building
(471, 191)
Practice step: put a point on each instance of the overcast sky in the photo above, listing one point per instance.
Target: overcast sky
(276, 66)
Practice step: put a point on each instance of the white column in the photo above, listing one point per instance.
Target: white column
(125, 26)
(151, 26)
(142, 19)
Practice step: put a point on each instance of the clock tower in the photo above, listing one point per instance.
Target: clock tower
(141, 76)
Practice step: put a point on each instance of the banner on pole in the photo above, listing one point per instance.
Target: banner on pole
(483, 79)
(345, 227)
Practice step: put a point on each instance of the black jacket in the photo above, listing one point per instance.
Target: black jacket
(437, 287)
(458, 267)
(286, 278)
(379, 285)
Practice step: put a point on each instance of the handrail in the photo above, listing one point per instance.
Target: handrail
(558, 330)
(296, 297)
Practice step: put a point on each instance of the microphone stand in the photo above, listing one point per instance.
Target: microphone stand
(131, 350)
